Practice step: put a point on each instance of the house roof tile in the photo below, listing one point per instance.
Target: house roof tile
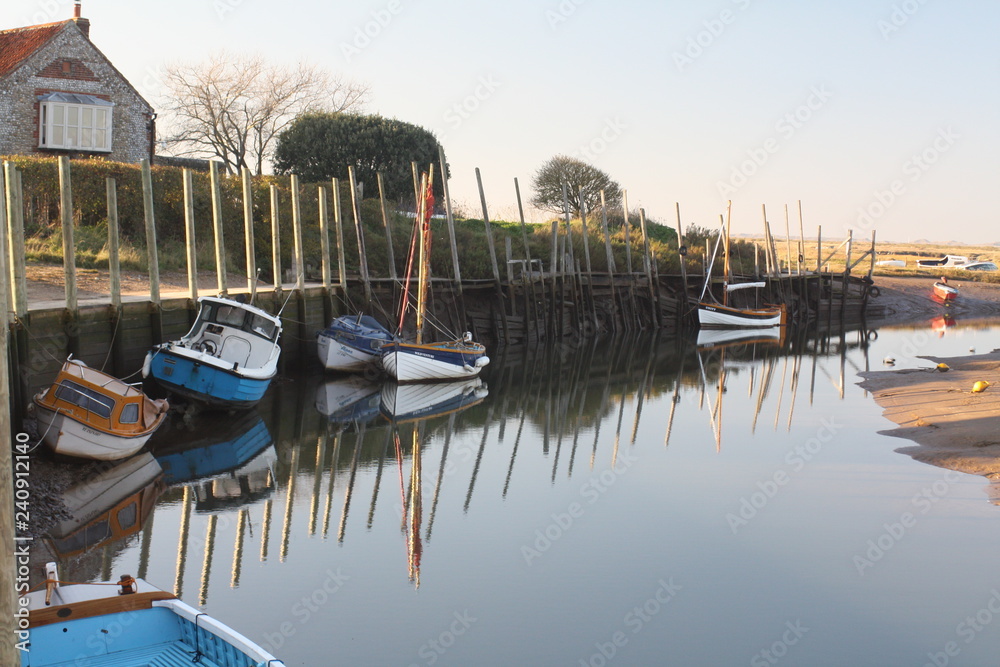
(18, 44)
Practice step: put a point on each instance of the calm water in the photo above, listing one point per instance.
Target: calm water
(595, 504)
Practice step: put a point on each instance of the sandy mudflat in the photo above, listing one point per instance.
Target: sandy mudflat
(953, 427)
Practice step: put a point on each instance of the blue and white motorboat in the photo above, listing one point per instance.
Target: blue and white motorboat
(133, 623)
(227, 359)
(351, 343)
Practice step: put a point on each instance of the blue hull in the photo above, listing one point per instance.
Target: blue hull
(204, 383)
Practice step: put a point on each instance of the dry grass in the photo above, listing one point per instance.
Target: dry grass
(834, 257)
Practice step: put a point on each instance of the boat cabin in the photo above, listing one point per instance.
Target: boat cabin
(236, 333)
(100, 401)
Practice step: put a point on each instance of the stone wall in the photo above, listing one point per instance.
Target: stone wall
(69, 63)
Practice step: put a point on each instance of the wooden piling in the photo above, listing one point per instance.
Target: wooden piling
(338, 224)
(151, 248)
(299, 262)
(69, 253)
(647, 260)
(251, 260)
(190, 239)
(324, 249)
(220, 246)
(529, 277)
(681, 252)
(388, 230)
(9, 654)
(360, 233)
(628, 236)
(275, 242)
(451, 227)
(114, 278)
(493, 256)
(15, 226)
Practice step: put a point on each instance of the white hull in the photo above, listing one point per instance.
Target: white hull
(721, 336)
(335, 395)
(67, 436)
(720, 316)
(430, 399)
(336, 356)
(410, 366)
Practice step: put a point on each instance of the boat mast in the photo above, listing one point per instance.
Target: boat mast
(426, 209)
(725, 278)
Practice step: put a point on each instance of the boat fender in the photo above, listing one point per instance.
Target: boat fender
(482, 361)
(147, 364)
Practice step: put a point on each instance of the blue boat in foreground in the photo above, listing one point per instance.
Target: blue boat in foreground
(128, 623)
(227, 359)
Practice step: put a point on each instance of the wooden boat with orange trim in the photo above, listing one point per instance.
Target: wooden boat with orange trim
(93, 415)
(128, 622)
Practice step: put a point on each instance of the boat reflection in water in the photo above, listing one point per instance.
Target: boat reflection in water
(410, 408)
(229, 464)
(107, 507)
(348, 399)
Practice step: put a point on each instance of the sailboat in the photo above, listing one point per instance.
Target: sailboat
(420, 361)
(722, 315)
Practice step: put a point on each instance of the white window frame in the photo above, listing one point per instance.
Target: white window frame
(73, 122)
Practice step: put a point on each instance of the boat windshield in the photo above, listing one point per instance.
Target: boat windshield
(236, 318)
(86, 398)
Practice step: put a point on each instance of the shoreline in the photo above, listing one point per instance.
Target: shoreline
(952, 426)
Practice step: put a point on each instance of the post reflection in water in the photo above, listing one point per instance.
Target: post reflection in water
(495, 448)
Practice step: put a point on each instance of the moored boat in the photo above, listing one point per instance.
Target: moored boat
(942, 262)
(944, 291)
(425, 362)
(132, 623)
(712, 314)
(90, 414)
(227, 359)
(351, 343)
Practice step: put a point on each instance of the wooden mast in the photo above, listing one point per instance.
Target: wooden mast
(725, 278)
(423, 280)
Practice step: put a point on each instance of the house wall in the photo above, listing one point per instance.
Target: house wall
(89, 73)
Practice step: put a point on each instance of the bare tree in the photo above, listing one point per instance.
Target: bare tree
(232, 107)
(577, 175)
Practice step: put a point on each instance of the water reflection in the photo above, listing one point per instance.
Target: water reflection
(330, 472)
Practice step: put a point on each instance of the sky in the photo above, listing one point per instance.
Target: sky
(878, 115)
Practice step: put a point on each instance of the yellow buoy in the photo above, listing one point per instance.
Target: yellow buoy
(943, 367)
(980, 386)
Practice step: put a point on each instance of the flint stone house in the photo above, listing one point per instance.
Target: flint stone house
(59, 95)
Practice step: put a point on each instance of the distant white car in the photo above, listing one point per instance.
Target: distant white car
(979, 266)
